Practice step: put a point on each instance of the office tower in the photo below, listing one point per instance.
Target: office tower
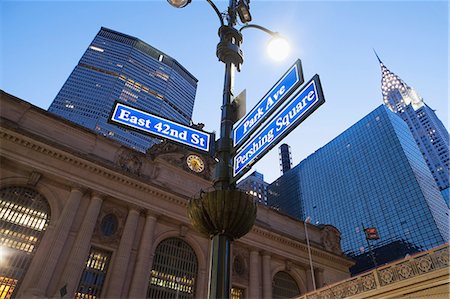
(285, 158)
(429, 133)
(119, 67)
(255, 185)
(371, 175)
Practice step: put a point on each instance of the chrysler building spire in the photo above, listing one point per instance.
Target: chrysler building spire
(396, 93)
(428, 131)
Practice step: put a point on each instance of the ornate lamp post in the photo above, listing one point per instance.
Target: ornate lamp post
(226, 213)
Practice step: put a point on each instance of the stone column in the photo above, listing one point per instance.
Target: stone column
(119, 268)
(50, 250)
(77, 258)
(267, 277)
(319, 278)
(309, 282)
(202, 287)
(141, 276)
(255, 275)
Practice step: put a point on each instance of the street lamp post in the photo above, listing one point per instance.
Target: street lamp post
(307, 220)
(226, 213)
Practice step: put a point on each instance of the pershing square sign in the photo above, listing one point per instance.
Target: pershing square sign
(298, 108)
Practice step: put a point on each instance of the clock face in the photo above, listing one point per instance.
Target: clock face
(195, 163)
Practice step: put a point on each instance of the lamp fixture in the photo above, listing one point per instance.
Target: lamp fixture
(179, 3)
(243, 10)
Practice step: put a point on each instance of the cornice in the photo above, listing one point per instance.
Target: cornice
(58, 152)
(281, 238)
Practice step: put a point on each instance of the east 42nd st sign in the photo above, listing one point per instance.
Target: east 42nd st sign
(157, 126)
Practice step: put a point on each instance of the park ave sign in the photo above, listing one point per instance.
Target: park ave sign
(268, 104)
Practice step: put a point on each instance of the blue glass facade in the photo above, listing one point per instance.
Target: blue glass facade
(119, 67)
(372, 175)
(446, 195)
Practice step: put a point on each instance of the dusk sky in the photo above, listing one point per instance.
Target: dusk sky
(42, 41)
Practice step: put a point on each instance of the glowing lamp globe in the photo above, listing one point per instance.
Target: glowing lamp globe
(278, 48)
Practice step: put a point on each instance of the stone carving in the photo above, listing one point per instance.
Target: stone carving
(353, 288)
(163, 148)
(369, 282)
(34, 178)
(338, 293)
(240, 263)
(114, 239)
(239, 266)
(183, 231)
(405, 271)
(387, 275)
(424, 264)
(331, 239)
(130, 162)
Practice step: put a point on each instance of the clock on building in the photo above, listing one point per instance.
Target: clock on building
(195, 163)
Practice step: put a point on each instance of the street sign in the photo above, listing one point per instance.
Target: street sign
(268, 104)
(159, 127)
(298, 108)
(371, 233)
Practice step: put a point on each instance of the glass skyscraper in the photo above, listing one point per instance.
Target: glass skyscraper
(119, 67)
(255, 185)
(429, 133)
(371, 175)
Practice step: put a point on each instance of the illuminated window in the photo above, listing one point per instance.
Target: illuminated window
(24, 215)
(174, 271)
(284, 286)
(237, 293)
(96, 49)
(94, 274)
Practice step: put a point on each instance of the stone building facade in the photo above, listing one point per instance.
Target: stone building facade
(84, 216)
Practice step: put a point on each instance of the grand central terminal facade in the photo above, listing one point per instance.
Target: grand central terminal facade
(82, 216)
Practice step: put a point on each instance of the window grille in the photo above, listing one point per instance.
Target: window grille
(94, 274)
(284, 286)
(237, 293)
(109, 225)
(174, 271)
(24, 216)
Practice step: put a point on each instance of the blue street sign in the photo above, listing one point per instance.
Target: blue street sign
(268, 104)
(160, 127)
(299, 107)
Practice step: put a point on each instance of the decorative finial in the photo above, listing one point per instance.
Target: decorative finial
(377, 56)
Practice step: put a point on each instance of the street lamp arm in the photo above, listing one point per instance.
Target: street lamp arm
(272, 33)
(217, 11)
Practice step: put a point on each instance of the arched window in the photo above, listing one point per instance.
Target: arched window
(284, 286)
(174, 272)
(24, 216)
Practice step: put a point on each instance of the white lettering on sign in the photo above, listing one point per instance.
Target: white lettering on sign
(276, 96)
(261, 111)
(167, 130)
(196, 139)
(256, 145)
(286, 120)
(125, 115)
